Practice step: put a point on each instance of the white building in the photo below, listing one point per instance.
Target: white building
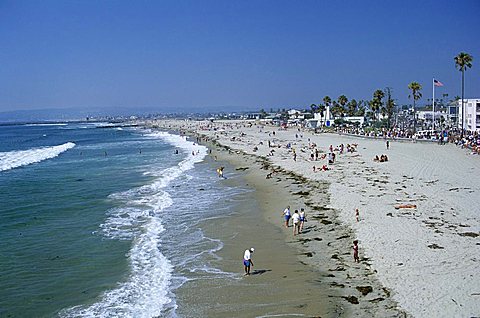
(427, 115)
(472, 114)
(325, 120)
(355, 119)
(293, 112)
(297, 114)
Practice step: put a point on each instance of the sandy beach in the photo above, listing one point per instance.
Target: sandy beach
(420, 261)
(280, 285)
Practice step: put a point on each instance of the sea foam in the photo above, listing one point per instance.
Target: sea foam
(18, 158)
(138, 218)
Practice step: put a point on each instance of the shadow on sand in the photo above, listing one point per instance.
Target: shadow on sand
(260, 271)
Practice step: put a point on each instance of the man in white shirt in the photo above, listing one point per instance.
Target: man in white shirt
(247, 260)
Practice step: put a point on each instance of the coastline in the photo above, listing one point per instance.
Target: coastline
(424, 257)
(280, 285)
(325, 282)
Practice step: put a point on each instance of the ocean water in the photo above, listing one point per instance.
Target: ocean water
(103, 222)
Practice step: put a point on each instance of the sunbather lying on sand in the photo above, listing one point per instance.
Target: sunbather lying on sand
(406, 206)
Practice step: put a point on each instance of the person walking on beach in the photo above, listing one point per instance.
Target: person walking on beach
(303, 219)
(286, 214)
(247, 260)
(388, 144)
(357, 214)
(296, 223)
(355, 251)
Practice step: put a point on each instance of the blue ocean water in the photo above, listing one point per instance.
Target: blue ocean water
(101, 221)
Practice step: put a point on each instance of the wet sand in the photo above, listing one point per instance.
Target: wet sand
(310, 275)
(421, 260)
(279, 284)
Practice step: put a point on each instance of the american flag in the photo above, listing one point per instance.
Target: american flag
(437, 83)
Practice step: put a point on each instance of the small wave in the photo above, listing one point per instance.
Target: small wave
(146, 291)
(138, 217)
(18, 158)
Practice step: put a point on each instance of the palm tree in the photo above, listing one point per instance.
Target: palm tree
(361, 108)
(376, 103)
(342, 101)
(390, 105)
(334, 110)
(462, 61)
(321, 110)
(352, 106)
(327, 101)
(416, 95)
(313, 108)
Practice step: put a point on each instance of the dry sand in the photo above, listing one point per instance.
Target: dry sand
(424, 259)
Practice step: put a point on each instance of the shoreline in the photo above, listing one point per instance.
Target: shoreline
(425, 257)
(279, 285)
(322, 252)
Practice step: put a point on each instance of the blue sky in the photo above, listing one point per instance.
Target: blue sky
(235, 55)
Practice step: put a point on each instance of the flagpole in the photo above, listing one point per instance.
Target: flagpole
(433, 105)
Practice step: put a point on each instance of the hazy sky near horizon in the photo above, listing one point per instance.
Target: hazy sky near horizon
(234, 54)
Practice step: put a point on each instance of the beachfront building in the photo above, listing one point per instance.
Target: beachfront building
(327, 118)
(298, 114)
(355, 119)
(425, 118)
(452, 113)
(321, 119)
(316, 121)
(472, 114)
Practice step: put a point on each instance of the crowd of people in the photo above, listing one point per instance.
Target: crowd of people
(467, 139)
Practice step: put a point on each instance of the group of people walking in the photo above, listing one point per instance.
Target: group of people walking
(298, 219)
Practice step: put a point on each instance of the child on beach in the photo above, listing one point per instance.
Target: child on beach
(286, 215)
(296, 223)
(355, 251)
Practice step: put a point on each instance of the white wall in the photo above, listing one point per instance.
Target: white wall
(470, 120)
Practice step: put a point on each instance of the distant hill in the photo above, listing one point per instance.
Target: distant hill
(75, 114)
(64, 114)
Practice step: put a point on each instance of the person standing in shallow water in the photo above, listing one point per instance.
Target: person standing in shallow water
(220, 172)
(247, 260)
